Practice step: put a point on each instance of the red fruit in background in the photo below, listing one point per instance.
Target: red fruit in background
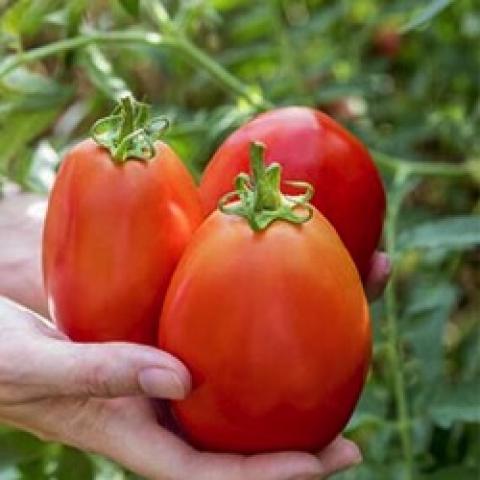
(345, 108)
(310, 146)
(387, 42)
(114, 232)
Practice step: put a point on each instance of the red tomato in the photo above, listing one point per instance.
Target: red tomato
(387, 42)
(312, 147)
(113, 236)
(274, 327)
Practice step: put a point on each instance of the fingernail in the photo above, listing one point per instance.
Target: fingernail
(162, 383)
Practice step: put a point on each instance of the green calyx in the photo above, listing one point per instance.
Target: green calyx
(129, 132)
(259, 198)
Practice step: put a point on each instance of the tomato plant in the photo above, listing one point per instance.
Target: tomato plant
(119, 217)
(267, 310)
(310, 146)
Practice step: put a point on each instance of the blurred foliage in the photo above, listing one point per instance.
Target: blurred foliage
(402, 74)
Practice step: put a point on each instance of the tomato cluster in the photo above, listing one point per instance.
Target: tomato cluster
(261, 297)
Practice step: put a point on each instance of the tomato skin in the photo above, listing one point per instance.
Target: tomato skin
(274, 328)
(311, 147)
(112, 238)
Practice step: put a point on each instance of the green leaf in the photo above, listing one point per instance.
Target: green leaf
(131, 6)
(9, 473)
(18, 447)
(20, 129)
(74, 465)
(371, 408)
(102, 74)
(39, 173)
(430, 294)
(35, 469)
(452, 233)
(456, 403)
(459, 473)
(426, 14)
(373, 471)
(22, 81)
(30, 104)
(430, 302)
(25, 17)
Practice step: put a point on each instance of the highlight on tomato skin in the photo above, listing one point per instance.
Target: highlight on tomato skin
(312, 147)
(271, 319)
(119, 217)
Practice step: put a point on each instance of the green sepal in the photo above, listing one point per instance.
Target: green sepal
(259, 199)
(129, 132)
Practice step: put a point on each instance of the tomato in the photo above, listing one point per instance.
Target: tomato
(345, 108)
(310, 146)
(114, 233)
(274, 327)
(387, 42)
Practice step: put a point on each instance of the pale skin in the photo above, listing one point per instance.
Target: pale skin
(95, 396)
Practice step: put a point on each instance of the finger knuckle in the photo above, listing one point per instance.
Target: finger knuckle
(98, 381)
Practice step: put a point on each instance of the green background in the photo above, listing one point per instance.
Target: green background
(402, 75)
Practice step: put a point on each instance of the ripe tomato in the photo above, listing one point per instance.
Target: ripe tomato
(274, 327)
(114, 233)
(387, 42)
(310, 146)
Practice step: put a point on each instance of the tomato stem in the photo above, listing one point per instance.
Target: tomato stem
(259, 199)
(402, 186)
(267, 194)
(129, 132)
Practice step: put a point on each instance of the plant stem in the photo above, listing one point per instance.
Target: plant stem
(287, 52)
(224, 78)
(392, 336)
(14, 61)
(425, 169)
(182, 44)
(220, 74)
(162, 20)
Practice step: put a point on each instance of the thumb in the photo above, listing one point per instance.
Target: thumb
(110, 370)
(36, 361)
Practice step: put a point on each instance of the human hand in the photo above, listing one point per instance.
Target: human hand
(21, 223)
(90, 396)
(94, 397)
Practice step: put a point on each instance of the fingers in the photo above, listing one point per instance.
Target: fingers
(18, 320)
(125, 431)
(273, 466)
(116, 370)
(159, 454)
(377, 279)
(36, 363)
(21, 221)
(103, 370)
(339, 455)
